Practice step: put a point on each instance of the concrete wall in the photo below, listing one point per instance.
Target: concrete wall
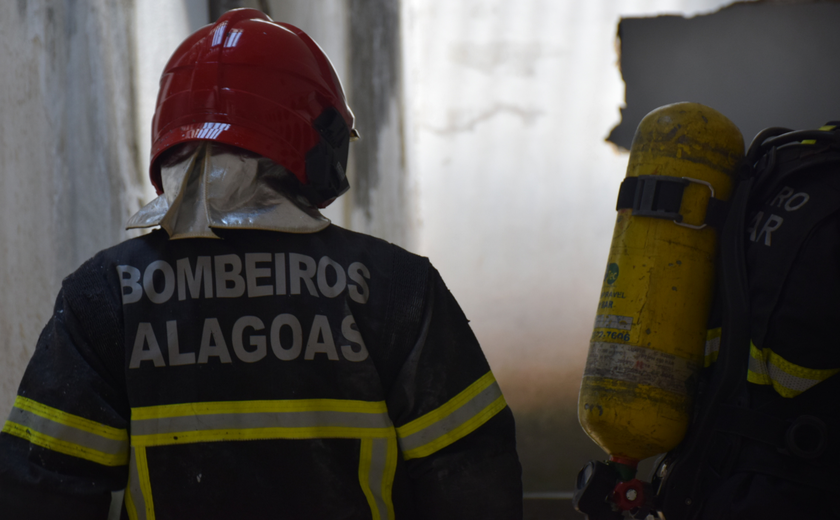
(383, 203)
(764, 72)
(363, 40)
(326, 22)
(507, 106)
(158, 28)
(68, 156)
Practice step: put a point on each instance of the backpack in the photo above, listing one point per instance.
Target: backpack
(765, 437)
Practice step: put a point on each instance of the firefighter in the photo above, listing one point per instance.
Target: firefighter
(763, 442)
(249, 359)
(752, 434)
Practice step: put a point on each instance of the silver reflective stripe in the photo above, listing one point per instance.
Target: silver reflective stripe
(768, 373)
(712, 346)
(790, 381)
(759, 367)
(245, 420)
(378, 474)
(250, 420)
(134, 488)
(453, 420)
(118, 449)
(377, 465)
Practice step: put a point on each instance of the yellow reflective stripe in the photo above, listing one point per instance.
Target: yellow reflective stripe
(187, 423)
(788, 379)
(145, 481)
(226, 407)
(450, 406)
(255, 420)
(64, 447)
(712, 346)
(252, 434)
(757, 370)
(455, 419)
(758, 378)
(458, 433)
(73, 421)
(390, 472)
(66, 433)
(130, 508)
(377, 466)
(799, 371)
(365, 456)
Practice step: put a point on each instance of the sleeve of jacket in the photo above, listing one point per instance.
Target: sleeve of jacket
(455, 431)
(64, 447)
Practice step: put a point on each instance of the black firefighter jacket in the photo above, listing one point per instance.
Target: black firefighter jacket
(267, 375)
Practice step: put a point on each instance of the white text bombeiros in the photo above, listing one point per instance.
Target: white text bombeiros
(159, 282)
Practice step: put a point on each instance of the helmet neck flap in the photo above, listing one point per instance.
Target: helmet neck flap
(209, 186)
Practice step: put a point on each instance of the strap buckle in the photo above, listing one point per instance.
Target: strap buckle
(660, 196)
(711, 198)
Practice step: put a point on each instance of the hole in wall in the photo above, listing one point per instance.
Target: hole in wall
(760, 64)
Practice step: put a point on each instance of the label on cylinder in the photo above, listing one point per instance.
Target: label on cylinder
(610, 321)
(642, 366)
(623, 296)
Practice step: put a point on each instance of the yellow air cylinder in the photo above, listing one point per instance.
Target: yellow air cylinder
(647, 346)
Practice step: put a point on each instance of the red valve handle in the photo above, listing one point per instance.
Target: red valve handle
(629, 495)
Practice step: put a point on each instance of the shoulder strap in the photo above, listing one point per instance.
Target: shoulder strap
(722, 408)
(688, 477)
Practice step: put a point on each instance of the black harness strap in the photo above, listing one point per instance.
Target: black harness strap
(660, 196)
(689, 477)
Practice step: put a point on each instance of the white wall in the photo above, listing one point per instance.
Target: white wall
(68, 157)
(508, 105)
(380, 201)
(326, 22)
(159, 27)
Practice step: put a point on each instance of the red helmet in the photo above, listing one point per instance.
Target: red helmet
(263, 86)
